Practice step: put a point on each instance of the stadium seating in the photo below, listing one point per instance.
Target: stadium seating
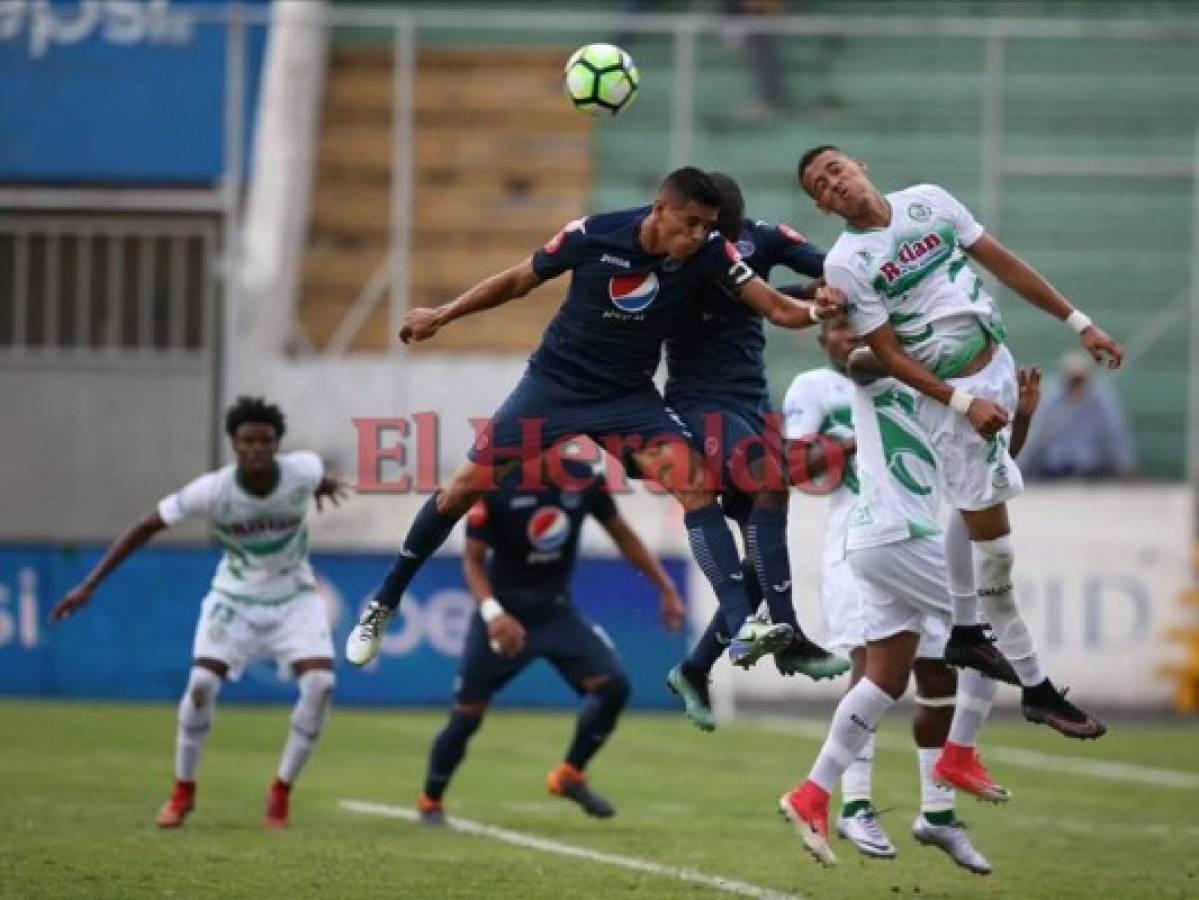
(1118, 244)
(501, 164)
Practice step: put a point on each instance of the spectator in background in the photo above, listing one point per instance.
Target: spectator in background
(1080, 431)
(763, 57)
(767, 70)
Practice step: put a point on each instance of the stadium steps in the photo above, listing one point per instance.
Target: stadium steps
(501, 164)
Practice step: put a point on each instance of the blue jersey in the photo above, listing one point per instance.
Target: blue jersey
(719, 346)
(623, 302)
(534, 534)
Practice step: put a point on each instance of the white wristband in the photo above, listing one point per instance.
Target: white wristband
(1079, 321)
(960, 401)
(491, 610)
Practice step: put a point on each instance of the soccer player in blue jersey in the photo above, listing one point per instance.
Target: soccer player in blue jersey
(634, 272)
(716, 383)
(525, 613)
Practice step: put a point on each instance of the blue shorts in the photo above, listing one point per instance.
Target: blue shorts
(549, 412)
(577, 648)
(728, 432)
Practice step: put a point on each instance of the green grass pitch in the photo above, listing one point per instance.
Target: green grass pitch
(80, 783)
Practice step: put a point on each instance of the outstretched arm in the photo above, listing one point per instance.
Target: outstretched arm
(1033, 287)
(332, 488)
(134, 536)
(422, 323)
(786, 311)
(673, 612)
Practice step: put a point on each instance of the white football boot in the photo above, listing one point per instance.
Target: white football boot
(863, 830)
(953, 840)
(367, 636)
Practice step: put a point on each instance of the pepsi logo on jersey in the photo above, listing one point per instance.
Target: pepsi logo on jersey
(633, 293)
(548, 528)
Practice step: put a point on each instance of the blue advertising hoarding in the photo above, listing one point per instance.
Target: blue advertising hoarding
(114, 92)
(134, 640)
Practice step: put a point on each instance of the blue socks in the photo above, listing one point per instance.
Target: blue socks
(449, 747)
(715, 551)
(597, 719)
(766, 545)
(708, 648)
(428, 532)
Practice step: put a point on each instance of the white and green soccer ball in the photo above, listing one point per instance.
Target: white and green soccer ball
(601, 79)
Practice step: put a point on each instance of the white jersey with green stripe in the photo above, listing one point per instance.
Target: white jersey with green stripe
(914, 274)
(819, 402)
(900, 494)
(265, 539)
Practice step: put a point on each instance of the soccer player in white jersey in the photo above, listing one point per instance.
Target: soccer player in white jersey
(897, 558)
(818, 402)
(263, 601)
(902, 265)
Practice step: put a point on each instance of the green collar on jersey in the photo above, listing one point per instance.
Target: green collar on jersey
(276, 475)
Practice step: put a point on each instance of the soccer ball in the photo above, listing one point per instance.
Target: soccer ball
(601, 78)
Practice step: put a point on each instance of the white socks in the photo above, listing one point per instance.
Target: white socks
(857, 715)
(1012, 637)
(195, 719)
(307, 717)
(933, 797)
(959, 565)
(856, 780)
(975, 696)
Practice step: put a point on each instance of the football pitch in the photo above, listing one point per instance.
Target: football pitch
(80, 783)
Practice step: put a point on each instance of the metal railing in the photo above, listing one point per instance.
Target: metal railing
(74, 286)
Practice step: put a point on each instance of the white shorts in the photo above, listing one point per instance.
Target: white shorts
(976, 474)
(848, 614)
(239, 632)
(844, 617)
(902, 586)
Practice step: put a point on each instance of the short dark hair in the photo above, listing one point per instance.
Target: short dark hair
(690, 183)
(254, 409)
(809, 155)
(732, 205)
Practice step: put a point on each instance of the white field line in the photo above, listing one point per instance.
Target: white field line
(1012, 756)
(532, 841)
(1147, 830)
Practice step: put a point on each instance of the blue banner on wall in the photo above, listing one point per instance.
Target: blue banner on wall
(133, 641)
(108, 91)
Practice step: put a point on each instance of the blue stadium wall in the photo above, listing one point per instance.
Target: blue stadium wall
(133, 642)
(128, 94)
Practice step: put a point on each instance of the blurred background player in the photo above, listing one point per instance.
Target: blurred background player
(897, 561)
(716, 383)
(525, 613)
(902, 265)
(633, 273)
(819, 402)
(263, 603)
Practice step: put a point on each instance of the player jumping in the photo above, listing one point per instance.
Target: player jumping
(525, 613)
(634, 273)
(716, 382)
(819, 401)
(898, 591)
(902, 266)
(263, 601)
